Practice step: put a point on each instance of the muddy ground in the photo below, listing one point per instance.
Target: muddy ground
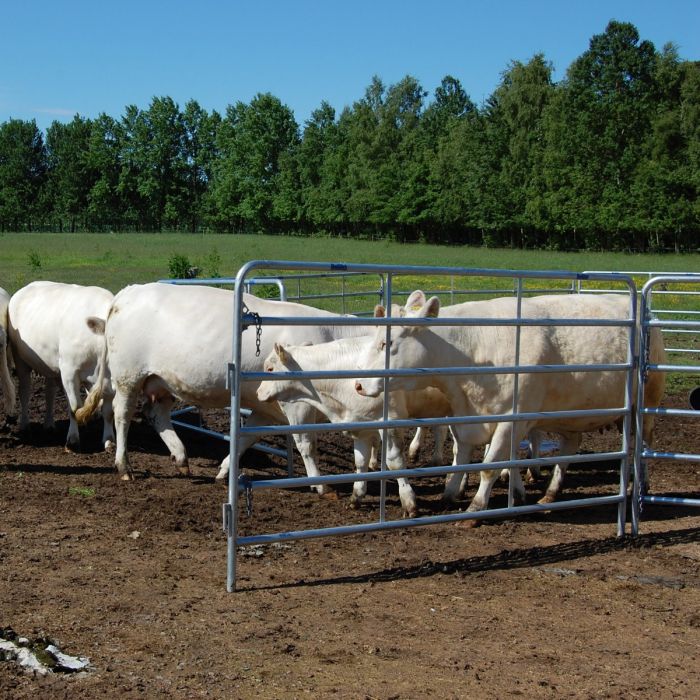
(132, 575)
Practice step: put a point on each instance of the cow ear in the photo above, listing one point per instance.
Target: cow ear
(431, 309)
(379, 311)
(96, 325)
(281, 352)
(415, 301)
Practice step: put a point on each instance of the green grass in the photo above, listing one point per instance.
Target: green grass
(82, 491)
(116, 260)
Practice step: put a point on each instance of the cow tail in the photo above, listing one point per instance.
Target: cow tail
(8, 386)
(92, 402)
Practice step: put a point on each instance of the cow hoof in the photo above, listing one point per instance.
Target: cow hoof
(184, 471)
(355, 503)
(469, 524)
(109, 447)
(447, 503)
(410, 512)
(329, 495)
(546, 499)
(128, 476)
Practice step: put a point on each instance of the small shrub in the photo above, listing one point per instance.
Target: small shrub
(266, 291)
(213, 263)
(34, 260)
(179, 267)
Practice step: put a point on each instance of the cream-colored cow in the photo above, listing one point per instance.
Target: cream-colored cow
(492, 394)
(48, 335)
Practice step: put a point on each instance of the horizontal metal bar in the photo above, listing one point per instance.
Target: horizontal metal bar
(685, 412)
(490, 514)
(401, 270)
(686, 369)
(672, 501)
(260, 447)
(432, 371)
(658, 323)
(678, 456)
(439, 321)
(358, 426)
(421, 472)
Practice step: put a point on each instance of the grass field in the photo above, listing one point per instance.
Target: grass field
(115, 260)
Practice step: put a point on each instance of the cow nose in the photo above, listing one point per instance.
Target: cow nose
(358, 386)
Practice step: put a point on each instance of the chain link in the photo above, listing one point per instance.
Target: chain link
(244, 481)
(258, 327)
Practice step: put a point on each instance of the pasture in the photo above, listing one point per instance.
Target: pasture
(132, 574)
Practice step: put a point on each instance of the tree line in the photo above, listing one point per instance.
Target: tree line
(606, 159)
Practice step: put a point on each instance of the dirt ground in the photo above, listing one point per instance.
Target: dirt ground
(132, 575)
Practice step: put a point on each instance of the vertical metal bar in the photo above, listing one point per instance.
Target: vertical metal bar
(638, 465)
(633, 360)
(342, 291)
(385, 401)
(516, 384)
(235, 430)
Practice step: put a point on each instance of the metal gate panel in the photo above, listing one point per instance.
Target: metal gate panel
(242, 485)
(690, 325)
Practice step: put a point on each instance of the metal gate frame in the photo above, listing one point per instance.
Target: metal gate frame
(642, 453)
(239, 484)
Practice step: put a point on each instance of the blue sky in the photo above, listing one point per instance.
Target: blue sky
(62, 57)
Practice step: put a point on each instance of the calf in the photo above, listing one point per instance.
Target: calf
(337, 400)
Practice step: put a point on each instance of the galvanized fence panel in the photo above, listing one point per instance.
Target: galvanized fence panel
(242, 484)
(684, 360)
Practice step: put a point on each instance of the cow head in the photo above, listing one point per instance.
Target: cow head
(281, 359)
(405, 347)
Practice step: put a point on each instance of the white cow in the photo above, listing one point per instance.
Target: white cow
(492, 394)
(48, 335)
(168, 341)
(6, 383)
(337, 400)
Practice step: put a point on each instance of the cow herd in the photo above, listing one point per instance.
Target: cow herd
(158, 343)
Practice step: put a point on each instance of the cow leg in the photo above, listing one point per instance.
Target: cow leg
(499, 450)
(160, 415)
(456, 483)
(307, 445)
(374, 452)
(124, 409)
(107, 411)
(50, 394)
(439, 437)
(395, 460)
(71, 385)
(363, 447)
(414, 447)
(569, 446)
(24, 376)
(244, 443)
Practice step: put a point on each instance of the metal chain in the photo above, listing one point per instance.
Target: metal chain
(258, 327)
(245, 482)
